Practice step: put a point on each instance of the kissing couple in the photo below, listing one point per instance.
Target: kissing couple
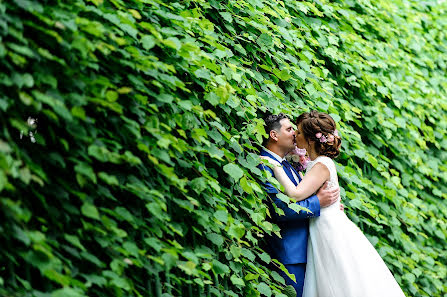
(328, 254)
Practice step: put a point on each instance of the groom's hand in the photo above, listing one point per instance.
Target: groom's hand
(327, 196)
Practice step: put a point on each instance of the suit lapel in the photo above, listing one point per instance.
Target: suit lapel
(267, 154)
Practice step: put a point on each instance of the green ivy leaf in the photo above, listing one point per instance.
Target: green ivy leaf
(237, 231)
(264, 289)
(148, 42)
(74, 241)
(215, 238)
(86, 170)
(289, 291)
(248, 254)
(203, 73)
(221, 215)
(90, 211)
(3, 180)
(226, 16)
(265, 257)
(265, 41)
(220, 268)
(67, 292)
(237, 281)
(234, 171)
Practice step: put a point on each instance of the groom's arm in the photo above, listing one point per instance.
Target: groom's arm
(312, 203)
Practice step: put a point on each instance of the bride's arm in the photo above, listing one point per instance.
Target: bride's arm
(311, 182)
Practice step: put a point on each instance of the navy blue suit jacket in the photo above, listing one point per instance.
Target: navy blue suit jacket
(292, 247)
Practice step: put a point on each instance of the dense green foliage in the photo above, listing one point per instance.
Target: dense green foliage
(142, 179)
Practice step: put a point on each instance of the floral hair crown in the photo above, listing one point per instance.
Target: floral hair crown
(329, 138)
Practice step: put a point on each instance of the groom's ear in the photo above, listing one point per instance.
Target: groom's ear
(273, 135)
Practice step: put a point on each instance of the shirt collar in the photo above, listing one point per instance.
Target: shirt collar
(276, 156)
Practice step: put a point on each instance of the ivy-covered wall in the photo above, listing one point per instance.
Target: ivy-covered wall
(139, 176)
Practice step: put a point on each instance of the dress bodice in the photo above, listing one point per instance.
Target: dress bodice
(333, 178)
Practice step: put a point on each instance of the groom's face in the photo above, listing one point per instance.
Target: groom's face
(286, 136)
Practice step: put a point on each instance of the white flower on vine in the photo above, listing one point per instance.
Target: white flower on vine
(128, 261)
(31, 121)
(31, 137)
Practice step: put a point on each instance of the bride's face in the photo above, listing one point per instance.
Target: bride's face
(301, 142)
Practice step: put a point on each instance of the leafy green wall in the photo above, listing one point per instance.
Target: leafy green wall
(142, 179)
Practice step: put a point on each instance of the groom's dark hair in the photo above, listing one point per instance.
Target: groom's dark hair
(272, 122)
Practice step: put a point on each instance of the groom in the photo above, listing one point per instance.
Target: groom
(291, 249)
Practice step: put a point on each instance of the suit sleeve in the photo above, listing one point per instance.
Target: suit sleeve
(312, 203)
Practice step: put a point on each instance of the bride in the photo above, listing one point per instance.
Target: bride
(341, 262)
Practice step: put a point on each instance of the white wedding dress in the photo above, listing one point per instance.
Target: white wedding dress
(341, 262)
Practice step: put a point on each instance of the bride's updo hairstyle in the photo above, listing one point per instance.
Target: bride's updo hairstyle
(321, 128)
